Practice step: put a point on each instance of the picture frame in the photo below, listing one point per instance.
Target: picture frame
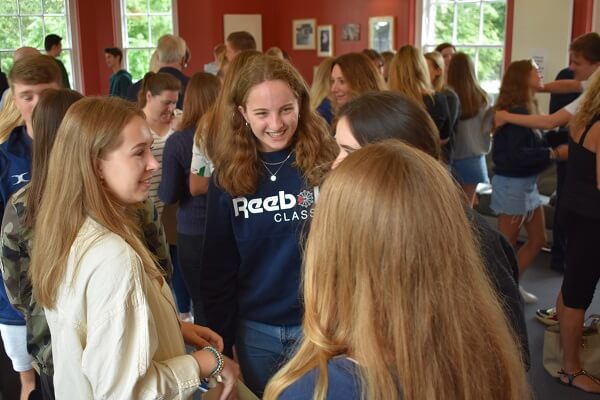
(381, 33)
(325, 41)
(303, 34)
(351, 32)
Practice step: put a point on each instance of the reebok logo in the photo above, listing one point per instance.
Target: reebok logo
(281, 202)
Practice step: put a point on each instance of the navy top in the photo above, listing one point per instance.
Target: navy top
(175, 183)
(343, 382)
(15, 168)
(518, 151)
(132, 92)
(325, 110)
(251, 257)
(581, 194)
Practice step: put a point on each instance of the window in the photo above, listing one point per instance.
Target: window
(143, 22)
(476, 27)
(27, 22)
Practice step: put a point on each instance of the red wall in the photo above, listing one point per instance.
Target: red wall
(96, 26)
(337, 13)
(582, 17)
(201, 25)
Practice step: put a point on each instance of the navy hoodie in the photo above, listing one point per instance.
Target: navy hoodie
(518, 151)
(251, 258)
(15, 170)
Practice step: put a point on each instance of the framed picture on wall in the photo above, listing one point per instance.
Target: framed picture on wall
(325, 41)
(381, 33)
(303, 34)
(351, 32)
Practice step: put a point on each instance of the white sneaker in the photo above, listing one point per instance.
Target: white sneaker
(528, 298)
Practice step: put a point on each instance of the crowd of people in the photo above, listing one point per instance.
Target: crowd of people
(236, 225)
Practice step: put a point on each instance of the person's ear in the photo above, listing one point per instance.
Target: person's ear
(243, 112)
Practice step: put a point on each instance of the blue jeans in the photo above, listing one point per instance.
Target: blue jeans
(182, 297)
(263, 349)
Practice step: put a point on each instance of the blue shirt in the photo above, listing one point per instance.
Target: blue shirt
(343, 382)
(251, 255)
(175, 183)
(15, 171)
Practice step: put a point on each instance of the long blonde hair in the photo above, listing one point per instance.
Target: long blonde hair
(90, 130)
(10, 117)
(236, 156)
(383, 284)
(438, 63)
(409, 74)
(321, 86)
(590, 106)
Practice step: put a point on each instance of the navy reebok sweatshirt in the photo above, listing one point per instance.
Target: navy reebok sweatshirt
(251, 257)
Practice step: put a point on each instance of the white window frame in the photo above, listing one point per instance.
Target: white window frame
(423, 25)
(120, 23)
(72, 38)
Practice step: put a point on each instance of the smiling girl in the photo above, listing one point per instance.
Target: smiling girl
(268, 165)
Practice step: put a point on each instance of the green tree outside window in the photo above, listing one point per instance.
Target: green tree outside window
(145, 21)
(27, 22)
(476, 27)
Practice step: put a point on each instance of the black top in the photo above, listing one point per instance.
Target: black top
(558, 101)
(454, 112)
(518, 151)
(581, 194)
(132, 92)
(437, 107)
(3, 82)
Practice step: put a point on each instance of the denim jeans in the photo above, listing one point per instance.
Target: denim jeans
(263, 349)
(182, 297)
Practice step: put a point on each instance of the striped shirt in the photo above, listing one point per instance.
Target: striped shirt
(157, 151)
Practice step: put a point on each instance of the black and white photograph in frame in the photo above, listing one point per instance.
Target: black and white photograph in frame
(325, 41)
(381, 33)
(303, 34)
(351, 32)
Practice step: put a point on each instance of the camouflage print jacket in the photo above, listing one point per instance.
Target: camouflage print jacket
(15, 247)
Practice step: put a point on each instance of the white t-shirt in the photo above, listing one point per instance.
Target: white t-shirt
(573, 106)
(201, 164)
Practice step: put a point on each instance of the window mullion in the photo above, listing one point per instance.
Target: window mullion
(455, 22)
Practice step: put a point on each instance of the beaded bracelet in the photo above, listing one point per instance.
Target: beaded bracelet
(216, 373)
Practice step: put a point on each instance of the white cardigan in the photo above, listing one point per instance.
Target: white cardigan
(115, 333)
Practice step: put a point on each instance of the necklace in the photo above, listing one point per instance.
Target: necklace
(273, 177)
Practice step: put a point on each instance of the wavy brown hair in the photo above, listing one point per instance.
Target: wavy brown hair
(392, 305)
(360, 73)
(236, 156)
(90, 130)
(461, 77)
(45, 120)
(515, 90)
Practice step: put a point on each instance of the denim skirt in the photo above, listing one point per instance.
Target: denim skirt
(515, 196)
(470, 171)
